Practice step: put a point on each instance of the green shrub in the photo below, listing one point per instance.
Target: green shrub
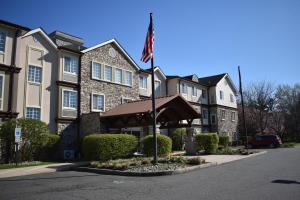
(195, 161)
(108, 146)
(32, 138)
(207, 141)
(164, 145)
(178, 139)
(223, 141)
(49, 149)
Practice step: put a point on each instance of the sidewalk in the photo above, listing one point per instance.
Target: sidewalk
(4, 173)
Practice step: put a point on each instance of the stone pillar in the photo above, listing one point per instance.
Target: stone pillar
(189, 145)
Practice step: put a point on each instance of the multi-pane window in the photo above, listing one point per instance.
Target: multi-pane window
(35, 74)
(2, 41)
(204, 94)
(221, 94)
(157, 88)
(143, 82)
(183, 88)
(1, 90)
(213, 119)
(108, 73)
(231, 98)
(70, 65)
(194, 91)
(128, 78)
(96, 70)
(223, 114)
(232, 116)
(69, 99)
(205, 114)
(33, 113)
(118, 75)
(97, 102)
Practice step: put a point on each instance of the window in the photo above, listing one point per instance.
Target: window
(223, 114)
(69, 99)
(33, 113)
(183, 88)
(126, 100)
(1, 91)
(35, 74)
(118, 75)
(221, 94)
(205, 114)
(194, 91)
(128, 78)
(203, 94)
(70, 65)
(212, 99)
(108, 73)
(96, 70)
(97, 102)
(231, 98)
(232, 116)
(2, 41)
(143, 82)
(157, 88)
(213, 119)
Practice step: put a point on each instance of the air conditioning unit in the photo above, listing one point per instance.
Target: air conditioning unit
(69, 154)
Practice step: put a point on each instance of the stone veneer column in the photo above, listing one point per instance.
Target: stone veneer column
(190, 146)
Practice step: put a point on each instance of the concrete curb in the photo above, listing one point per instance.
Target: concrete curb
(161, 173)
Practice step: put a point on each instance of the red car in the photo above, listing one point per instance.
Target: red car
(271, 141)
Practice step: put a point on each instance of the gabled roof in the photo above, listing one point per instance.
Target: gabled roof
(14, 25)
(156, 69)
(211, 80)
(42, 32)
(118, 45)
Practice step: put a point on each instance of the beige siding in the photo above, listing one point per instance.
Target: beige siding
(227, 90)
(10, 34)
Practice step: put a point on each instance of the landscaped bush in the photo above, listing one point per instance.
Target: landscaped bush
(223, 141)
(49, 149)
(108, 146)
(164, 145)
(207, 141)
(178, 139)
(32, 138)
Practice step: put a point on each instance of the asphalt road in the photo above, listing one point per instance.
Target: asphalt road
(274, 175)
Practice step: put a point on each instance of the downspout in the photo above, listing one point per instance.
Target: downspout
(11, 73)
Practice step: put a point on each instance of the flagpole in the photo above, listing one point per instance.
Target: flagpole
(153, 107)
(243, 110)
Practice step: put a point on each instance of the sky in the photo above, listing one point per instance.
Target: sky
(202, 37)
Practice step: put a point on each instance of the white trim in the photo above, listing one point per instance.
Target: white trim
(39, 30)
(92, 103)
(223, 119)
(125, 77)
(62, 99)
(232, 84)
(94, 77)
(29, 106)
(2, 98)
(232, 115)
(104, 78)
(160, 71)
(159, 87)
(125, 98)
(118, 45)
(142, 88)
(193, 92)
(71, 57)
(32, 82)
(114, 75)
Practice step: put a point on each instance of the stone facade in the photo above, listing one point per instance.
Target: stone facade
(226, 126)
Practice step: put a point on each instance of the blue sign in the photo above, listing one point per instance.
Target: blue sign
(18, 134)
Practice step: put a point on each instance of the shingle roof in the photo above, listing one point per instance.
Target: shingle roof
(211, 80)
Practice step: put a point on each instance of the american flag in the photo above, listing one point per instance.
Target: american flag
(148, 48)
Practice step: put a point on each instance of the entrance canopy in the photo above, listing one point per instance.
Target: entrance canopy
(170, 111)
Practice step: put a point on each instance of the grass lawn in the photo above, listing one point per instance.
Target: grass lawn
(24, 164)
(290, 144)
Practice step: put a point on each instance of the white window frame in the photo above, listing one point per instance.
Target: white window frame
(158, 81)
(125, 77)
(92, 102)
(29, 106)
(114, 75)
(67, 72)
(62, 99)
(194, 89)
(125, 98)
(33, 82)
(222, 115)
(93, 76)
(141, 86)
(181, 88)
(104, 73)
(2, 95)
(232, 118)
(5, 35)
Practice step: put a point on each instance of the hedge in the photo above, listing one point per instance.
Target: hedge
(108, 146)
(164, 145)
(50, 147)
(207, 141)
(223, 141)
(178, 137)
(32, 138)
